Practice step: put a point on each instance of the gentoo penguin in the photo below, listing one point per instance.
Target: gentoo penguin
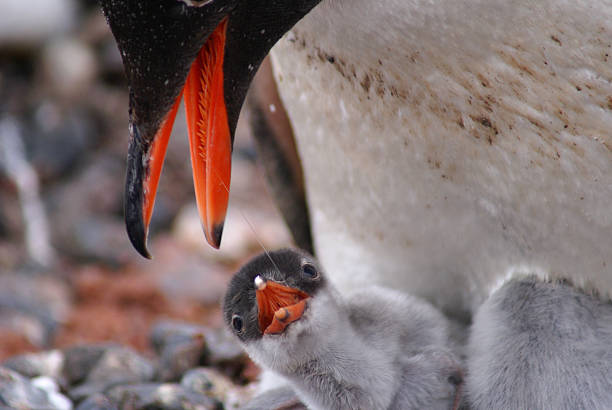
(448, 147)
(371, 349)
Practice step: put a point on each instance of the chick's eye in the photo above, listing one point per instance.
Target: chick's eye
(309, 271)
(237, 323)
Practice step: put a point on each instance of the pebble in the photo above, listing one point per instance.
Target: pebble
(212, 383)
(121, 365)
(116, 366)
(219, 346)
(49, 363)
(223, 347)
(181, 346)
(84, 214)
(18, 392)
(79, 360)
(56, 139)
(23, 326)
(97, 401)
(33, 305)
(165, 396)
(43, 296)
(49, 386)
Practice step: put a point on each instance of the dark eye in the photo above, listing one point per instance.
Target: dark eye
(310, 271)
(237, 323)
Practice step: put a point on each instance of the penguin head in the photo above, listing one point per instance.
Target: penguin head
(281, 307)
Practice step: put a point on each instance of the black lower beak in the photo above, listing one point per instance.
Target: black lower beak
(133, 200)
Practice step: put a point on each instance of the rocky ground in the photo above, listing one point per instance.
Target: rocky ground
(85, 322)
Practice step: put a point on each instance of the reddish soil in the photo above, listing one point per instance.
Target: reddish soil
(121, 307)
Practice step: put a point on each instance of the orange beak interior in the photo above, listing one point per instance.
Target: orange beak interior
(209, 135)
(279, 306)
(209, 139)
(156, 161)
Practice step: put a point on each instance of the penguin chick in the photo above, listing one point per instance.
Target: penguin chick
(373, 349)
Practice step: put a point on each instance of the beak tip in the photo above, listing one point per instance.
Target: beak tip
(215, 236)
(137, 233)
(140, 243)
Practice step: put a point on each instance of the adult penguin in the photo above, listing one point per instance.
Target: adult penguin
(448, 149)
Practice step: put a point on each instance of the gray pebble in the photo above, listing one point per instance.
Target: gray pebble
(79, 360)
(39, 302)
(181, 346)
(161, 396)
(213, 383)
(51, 388)
(222, 347)
(49, 363)
(97, 401)
(170, 332)
(116, 366)
(19, 393)
(122, 364)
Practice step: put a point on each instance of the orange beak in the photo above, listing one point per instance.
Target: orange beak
(209, 135)
(209, 141)
(278, 305)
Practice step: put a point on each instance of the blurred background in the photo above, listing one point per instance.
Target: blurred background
(68, 274)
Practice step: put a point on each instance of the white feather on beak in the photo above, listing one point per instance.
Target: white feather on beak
(260, 283)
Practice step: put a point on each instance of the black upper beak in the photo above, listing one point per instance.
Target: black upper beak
(160, 42)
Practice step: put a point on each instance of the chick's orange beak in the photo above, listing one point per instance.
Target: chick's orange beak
(278, 306)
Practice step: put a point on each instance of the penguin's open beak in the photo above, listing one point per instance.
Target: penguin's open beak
(209, 141)
(207, 55)
(173, 52)
(278, 305)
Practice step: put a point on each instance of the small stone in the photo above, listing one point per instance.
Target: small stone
(168, 332)
(80, 359)
(44, 296)
(212, 383)
(121, 365)
(161, 396)
(86, 390)
(222, 347)
(56, 139)
(49, 363)
(116, 366)
(21, 327)
(176, 359)
(18, 392)
(181, 346)
(97, 401)
(49, 386)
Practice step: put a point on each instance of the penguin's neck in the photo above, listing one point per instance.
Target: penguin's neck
(345, 371)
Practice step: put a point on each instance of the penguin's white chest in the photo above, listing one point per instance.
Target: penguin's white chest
(446, 145)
